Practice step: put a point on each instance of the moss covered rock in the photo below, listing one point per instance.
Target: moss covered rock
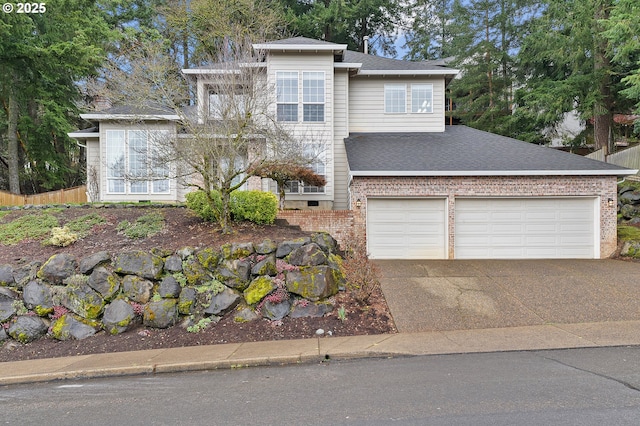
(258, 289)
(161, 314)
(70, 327)
(27, 328)
(104, 282)
(234, 273)
(58, 268)
(118, 317)
(187, 300)
(312, 282)
(141, 263)
(37, 297)
(195, 272)
(137, 289)
(83, 300)
(266, 266)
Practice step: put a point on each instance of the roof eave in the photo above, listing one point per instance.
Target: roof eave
(154, 117)
(445, 72)
(431, 173)
(336, 48)
(347, 65)
(83, 135)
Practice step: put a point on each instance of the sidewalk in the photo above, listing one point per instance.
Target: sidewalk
(537, 337)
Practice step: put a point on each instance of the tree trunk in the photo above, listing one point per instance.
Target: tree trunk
(225, 214)
(12, 139)
(602, 113)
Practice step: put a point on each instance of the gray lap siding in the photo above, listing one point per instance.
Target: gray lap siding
(451, 188)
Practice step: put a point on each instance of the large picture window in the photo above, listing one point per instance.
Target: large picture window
(421, 98)
(395, 98)
(133, 165)
(287, 95)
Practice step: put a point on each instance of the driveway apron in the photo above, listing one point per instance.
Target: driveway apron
(437, 295)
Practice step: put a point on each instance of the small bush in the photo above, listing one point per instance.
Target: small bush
(199, 203)
(255, 206)
(62, 237)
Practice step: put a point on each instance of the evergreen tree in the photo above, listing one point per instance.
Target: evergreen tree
(42, 57)
(347, 21)
(485, 36)
(622, 31)
(565, 64)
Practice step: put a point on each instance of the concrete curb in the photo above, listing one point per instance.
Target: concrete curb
(291, 352)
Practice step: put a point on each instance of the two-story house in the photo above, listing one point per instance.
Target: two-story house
(416, 187)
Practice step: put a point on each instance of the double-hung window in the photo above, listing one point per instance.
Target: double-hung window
(287, 95)
(288, 99)
(313, 96)
(133, 163)
(421, 98)
(395, 98)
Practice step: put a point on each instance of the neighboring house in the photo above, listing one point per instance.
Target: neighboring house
(417, 188)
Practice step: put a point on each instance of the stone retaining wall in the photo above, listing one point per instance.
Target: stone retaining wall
(71, 298)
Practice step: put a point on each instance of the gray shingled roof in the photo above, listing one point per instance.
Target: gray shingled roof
(372, 62)
(136, 110)
(461, 150)
(369, 62)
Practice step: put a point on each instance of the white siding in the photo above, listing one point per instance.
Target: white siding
(93, 166)
(341, 126)
(312, 132)
(366, 106)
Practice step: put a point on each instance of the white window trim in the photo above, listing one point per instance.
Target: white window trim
(395, 86)
(417, 86)
(150, 182)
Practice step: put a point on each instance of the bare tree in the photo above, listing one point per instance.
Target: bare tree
(227, 135)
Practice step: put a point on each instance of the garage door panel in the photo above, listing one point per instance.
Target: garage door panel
(525, 228)
(406, 228)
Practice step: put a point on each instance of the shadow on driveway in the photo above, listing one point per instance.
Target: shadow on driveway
(436, 295)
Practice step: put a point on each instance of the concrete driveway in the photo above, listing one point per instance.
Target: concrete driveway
(436, 295)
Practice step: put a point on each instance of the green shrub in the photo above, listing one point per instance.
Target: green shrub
(255, 206)
(199, 203)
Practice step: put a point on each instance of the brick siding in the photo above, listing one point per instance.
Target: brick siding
(603, 187)
(339, 223)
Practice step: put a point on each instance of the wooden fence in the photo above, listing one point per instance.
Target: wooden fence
(629, 158)
(71, 195)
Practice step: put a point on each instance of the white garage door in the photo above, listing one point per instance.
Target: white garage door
(406, 228)
(526, 228)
